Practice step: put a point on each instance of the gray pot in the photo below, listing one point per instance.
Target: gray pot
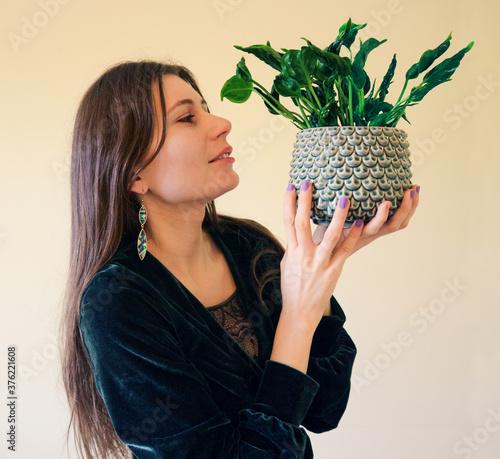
(368, 165)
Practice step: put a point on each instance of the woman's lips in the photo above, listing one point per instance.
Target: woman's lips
(226, 151)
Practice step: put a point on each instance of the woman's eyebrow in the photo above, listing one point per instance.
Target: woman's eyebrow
(185, 102)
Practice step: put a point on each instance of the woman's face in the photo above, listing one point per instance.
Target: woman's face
(184, 170)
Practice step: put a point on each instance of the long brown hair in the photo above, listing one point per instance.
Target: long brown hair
(112, 135)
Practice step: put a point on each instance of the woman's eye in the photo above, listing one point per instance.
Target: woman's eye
(186, 119)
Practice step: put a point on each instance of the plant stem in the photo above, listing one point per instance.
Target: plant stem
(277, 106)
(309, 85)
(307, 103)
(303, 114)
(345, 104)
(402, 92)
(361, 103)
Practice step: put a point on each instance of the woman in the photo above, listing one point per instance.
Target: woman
(205, 339)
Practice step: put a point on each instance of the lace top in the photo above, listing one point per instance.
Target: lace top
(230, 315)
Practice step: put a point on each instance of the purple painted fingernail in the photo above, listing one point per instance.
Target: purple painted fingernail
(343, 202)
(412, 194)
(418, 189)
(305, 185)
(290, 187)
(358, 222)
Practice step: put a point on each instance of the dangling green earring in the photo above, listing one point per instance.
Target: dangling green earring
(142, 241)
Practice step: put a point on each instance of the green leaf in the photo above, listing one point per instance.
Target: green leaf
(265, 53)
(358, 76)
(370, 88)
(365, 49)
(308, 58)
(343, 33)
(314, 120)
(242, 70)
(367, 86)
(441, 73)
(427, 59)
(331, 119)
(286, 86)
(386, 82)
(266, 101)
(374, 108)
(358, 120)
(389, 118)
(327, 63)
(236, 89)
(292, 66)
(347, 39)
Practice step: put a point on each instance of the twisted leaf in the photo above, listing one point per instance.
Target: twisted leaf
(292, 66)
(343, 33)
(327, 63)
(267, 101)
(386, 82)
(265, 53)
(286, 86)
(427, 59)
(375, 107)
(389, 118)
(358, 76)
(242, 70)
(441, 73)
(347, 39)
(365, 49)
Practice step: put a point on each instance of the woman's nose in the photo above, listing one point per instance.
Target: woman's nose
(222, 126)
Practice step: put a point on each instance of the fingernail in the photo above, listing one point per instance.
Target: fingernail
(305, 185)
(418, 189)
(358, 222)
(412, 194)
(290, 187)
(343, 202)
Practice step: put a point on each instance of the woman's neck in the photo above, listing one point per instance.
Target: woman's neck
(176, 238)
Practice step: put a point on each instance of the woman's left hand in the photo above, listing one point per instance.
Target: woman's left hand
(380, 225)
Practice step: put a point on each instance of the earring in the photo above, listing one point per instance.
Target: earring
(142, 241)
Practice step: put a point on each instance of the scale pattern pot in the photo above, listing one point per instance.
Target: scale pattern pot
(368, 165)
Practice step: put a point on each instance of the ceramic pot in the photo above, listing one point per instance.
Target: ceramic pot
(368, 165)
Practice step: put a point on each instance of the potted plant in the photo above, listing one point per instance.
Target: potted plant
(348, 144)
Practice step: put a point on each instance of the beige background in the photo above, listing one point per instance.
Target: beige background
(422, 305)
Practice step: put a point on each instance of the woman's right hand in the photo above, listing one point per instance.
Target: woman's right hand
(309, 274)
(310, 271)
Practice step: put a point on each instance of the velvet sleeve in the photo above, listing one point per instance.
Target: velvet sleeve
(331, 358)
(330, 364)
(160, 404)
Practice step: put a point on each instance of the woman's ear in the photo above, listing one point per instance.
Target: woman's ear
(139, 186)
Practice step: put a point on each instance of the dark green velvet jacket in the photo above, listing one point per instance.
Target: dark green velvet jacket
(177, 385)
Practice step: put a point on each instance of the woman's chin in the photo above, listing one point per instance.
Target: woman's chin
(228, 182)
